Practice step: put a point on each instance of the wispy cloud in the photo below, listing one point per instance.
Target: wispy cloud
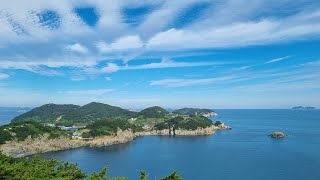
(111, 37)
(189, 82)
(277, 59)
(96, 92)
(165, 63)
(108, 78)
(4, 76)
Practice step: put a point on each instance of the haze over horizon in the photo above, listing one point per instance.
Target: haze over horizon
(134, 54)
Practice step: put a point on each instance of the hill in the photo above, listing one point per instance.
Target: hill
(73, 114)
(46, 113)
(154, 112)
(95, 111)
(194, 111)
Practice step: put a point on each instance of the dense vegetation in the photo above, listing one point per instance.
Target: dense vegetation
(21, 130)
(71, 114)
(96, 111)
(103, 119)
(37, 168)
(109, 127)
(192, 111)
(154, 112)
(45, 113)
(188, 123)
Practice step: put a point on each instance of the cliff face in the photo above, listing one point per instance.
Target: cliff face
(121, 137)
(181, 132)
(44, 144)
(39, 145)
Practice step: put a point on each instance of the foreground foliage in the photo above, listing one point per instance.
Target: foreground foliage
(37, 168)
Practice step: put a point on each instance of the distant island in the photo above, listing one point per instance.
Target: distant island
(53, 127)
(304, 108)
(195, 111)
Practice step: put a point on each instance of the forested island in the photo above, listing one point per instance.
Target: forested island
(53, 127)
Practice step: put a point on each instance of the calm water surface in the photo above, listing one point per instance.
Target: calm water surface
(6, 114)
(244, 153)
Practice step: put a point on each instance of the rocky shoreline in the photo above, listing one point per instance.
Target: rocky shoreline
(45, 144)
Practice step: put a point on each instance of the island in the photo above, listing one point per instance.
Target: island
(196, 111)
(303, 108)
(54, 127)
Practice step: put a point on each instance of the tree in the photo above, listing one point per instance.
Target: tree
(143, 175)
(172, 176)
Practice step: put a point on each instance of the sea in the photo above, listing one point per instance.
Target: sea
(8, 113)
(244, 153)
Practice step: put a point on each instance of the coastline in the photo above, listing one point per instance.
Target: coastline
(44, 144)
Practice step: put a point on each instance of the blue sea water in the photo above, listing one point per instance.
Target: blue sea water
(8, 113)
(243, 153)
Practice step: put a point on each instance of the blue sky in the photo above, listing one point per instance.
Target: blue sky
(172, 53)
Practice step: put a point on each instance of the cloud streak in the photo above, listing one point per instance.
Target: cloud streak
(165, 63)
(277, 60)
(4, 76)
(95, 92)
(189, 82)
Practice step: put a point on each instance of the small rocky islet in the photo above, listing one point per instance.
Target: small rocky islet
(53, 127)
(278, 135)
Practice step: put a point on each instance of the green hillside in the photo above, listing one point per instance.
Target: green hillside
(21, 130)
(46, 113)
(95, 111)
(187, 123)
(154, 112)
(192, 111)
(109, 127)
(73, 114)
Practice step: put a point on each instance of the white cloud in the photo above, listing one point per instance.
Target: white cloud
(110, 68)
(77, 78)
(277, 59)
(4, 76)
(168, 63)
(189, 82)
(239, 34)
(165, 63)
(96, 92)
(226, 24)
(77, 48)
(123, 43)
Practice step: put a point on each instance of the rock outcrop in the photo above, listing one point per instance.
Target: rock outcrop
(121, 137)
(44, 144)
(220, 125)
(39, 145)
(180, 132)
(277, 135)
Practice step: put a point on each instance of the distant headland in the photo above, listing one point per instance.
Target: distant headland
(53, 127)
(304, 108)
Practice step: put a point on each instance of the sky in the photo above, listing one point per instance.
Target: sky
(171, 53)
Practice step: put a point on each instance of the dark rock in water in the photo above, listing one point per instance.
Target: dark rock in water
(221, 125)
(278, 135)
